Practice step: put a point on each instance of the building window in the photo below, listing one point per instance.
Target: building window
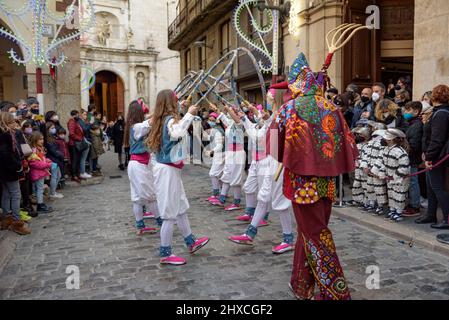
(225, 38)
(188, 62)
(202, 56)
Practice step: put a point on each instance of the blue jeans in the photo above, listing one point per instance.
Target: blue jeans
(55, 177)
(415, 191)
(84, 156)
(11, 198)
(38, 189)
(436, 192)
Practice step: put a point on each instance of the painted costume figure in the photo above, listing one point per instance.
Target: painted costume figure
(315, 145)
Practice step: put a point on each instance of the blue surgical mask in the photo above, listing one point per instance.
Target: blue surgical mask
(212, 124)
(408, 116)
(53, 131)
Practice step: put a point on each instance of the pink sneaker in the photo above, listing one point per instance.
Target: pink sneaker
(198, 244)
(232, 207)
(146, 230)
(244, 218)
(149, 215)
(173, 260)
(216, 202)
(244, 239)
(212, 198)
(263, 223)
(283, 248)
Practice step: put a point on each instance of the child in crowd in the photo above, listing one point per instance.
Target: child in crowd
(215, 135)
(63, 148)
(414, 134)
(359, 189)
(96, 149)
(167, 131)
(40, 168)
(56, 157)
(394, 170)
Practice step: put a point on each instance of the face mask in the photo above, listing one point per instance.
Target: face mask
(52, 131)
(55, 118)
(35, 111)
(212, 124)
(62, 137)
(408, 116)
(29, 130)
(359, 140)
(386, 114)
(397, 100)
(328, 97)
(245, 110)
(14, 115)
(376, 97)
(365, 99)
(384, 143)
(76, 118)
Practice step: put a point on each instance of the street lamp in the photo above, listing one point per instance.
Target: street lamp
(202, 44)
(284, 9)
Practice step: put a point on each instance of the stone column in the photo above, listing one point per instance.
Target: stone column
(153, 90)
(132, 82)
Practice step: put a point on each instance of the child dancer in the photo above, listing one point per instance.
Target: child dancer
(235, 157)
(40, 168)
(376, 188)
(359, 192)
(395, 171)
(216, 148)
(140, 170)
(263, 170)
(165, 140)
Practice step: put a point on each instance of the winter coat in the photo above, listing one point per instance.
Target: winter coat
(96, 148)
(75, 132)
(63, 148)
(54, 154)
(359, 109)
(40, 166)
(437, 134)
(10, 159)
(118, 133)
(415, 134)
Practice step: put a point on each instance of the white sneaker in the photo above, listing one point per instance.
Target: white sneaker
(85, 176)
(57, 196)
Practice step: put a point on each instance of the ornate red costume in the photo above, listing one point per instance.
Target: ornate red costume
(315, 145)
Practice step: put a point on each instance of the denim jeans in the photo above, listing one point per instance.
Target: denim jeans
(436, 192)
(38, 189)
(84, 156)
(11, 198)
(415, 191)
(55, 177)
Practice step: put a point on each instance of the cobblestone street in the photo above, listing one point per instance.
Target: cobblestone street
(93, 228)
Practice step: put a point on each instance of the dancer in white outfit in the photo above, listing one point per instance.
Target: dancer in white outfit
(140, 171)
(164, 139)
(235, 158)
(269, 191)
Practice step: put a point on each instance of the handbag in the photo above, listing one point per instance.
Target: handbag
(26, 150)
(82, 145)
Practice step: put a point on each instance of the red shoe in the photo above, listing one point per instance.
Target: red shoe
(216, 202)
(263, 223)
(198, 244)
(173, 260)
(149, 215)
(244, 239)
(233, 207)
(212, 198)
(244, 218)
(411, 212)
(146, 230)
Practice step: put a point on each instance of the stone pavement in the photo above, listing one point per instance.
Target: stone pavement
(93, 228)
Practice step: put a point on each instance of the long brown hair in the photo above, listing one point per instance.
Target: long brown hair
(384, 105)
(35, 137)
(135, 115)
(5, 119)
(165, 106)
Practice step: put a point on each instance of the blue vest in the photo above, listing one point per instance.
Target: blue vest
(136, 146)
(171, 151)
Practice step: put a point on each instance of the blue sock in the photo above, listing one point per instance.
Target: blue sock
(250, 211)
(190, 240)
(140, 224)
(216, 192)
(165, 252)
(267, 216)
(237, 201)
(288, 238)
(251, 231)
(159, 221)
(222, 198)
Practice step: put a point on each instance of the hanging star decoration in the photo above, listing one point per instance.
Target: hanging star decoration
(39, 50)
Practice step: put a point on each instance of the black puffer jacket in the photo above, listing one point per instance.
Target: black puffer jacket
(415, 134)
(436, 135)
(10, 162)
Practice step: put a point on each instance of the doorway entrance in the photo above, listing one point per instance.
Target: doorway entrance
(108, 94)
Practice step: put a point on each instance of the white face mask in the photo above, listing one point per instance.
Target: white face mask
(55, 118)
(386, 114)
(376, 97)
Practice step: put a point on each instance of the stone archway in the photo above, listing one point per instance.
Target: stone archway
(13, 78)
(108, 94)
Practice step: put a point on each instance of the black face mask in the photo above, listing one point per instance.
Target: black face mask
(35, 111)
(365, 99)
(384, 143)
(359, 140)
(329, 97)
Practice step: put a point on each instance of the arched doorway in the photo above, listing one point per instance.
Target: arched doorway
(108, 94)
(13, 78)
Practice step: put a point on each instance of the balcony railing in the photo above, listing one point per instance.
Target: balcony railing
(192, 10)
